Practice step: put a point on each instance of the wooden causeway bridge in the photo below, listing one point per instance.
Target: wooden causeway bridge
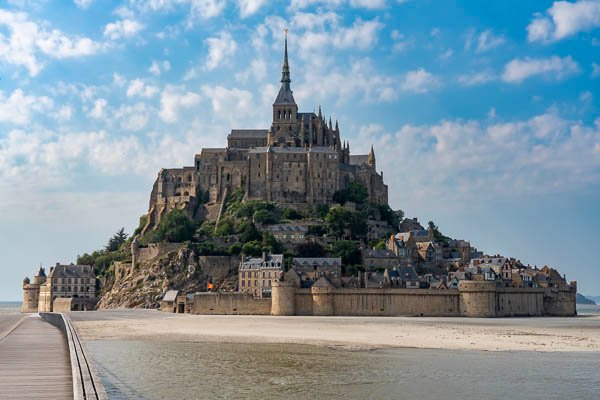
(43, 358)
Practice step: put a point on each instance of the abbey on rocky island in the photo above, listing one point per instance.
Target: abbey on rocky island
(300, 161)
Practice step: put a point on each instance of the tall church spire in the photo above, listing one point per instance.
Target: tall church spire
(285, 69)
(285, 95)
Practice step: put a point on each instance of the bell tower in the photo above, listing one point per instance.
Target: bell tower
(284, 130)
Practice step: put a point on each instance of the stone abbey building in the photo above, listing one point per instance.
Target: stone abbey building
(300, 161)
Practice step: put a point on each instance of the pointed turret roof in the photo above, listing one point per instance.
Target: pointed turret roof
(371, 159)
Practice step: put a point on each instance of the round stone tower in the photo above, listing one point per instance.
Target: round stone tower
(283, 298)
(477, 298)
(39, 277)
(30, 296)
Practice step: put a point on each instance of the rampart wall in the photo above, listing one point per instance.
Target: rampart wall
(230, 303)
(472, 299)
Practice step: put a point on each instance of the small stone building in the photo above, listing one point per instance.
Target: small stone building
(76, 282)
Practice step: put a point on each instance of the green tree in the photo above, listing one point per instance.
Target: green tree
(348, 250)
(310, 249)
(339, 220)
(115, 242)
(253, 249)
(290, 213)
(264, 217)
(270, 244)
(249, 233)
(224, 228)
(234, 249)
(175, 226)
(355, 193)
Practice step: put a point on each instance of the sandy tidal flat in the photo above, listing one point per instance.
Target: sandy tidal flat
(511, 334)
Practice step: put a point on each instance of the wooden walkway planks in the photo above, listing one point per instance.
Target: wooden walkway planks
(34, 363)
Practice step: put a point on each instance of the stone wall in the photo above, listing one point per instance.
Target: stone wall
(230, 303)
(473, 299)
(519, 302)
(154, 250)
(219, 267)
(367, 302)
(560, 302)
(68, 304)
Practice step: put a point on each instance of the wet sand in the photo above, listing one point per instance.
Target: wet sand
(578, 334)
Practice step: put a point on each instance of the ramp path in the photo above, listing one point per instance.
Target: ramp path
(35, 362)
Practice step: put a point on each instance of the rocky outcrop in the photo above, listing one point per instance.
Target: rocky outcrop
(146, 283)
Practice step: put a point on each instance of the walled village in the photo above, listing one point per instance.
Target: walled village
(286, 221)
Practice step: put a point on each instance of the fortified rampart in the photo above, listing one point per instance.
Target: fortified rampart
(226, 303)
(472, 299)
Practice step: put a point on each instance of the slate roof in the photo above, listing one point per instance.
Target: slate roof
(270, 261)
(72, 271)
(287, 149)
(407, 273)
(319, 261)
(248, 134)
(359, 159)
(285, 96)
(171, 295)
(378, 253)
(287, 228)
(323, 282)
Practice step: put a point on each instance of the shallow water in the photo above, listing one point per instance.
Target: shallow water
(178, 370)
(10, 307)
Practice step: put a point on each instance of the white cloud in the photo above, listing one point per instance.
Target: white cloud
(368, 4)
(197, 9)
(564, 19)
(249, 7)
(219, 49)
(26, 41)
(476, 78)
(158, 67)
(119, 80)
(467, 162)
(419, 81)
(124, 28)
(401, 43)
(586, 97)
(223, 100)
(595, 70)
(64, 113)
(555, 67)
(19, 107)
(358, 82)
(97, 110)
(133, 117)
(205, 9)
(173, 99)
(483, 41)
(137, 87)
(256, 71)
(446, 54)
(487, 40)
(362, 35)
(83, 4)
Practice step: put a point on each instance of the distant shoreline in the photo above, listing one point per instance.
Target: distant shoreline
(353, 333)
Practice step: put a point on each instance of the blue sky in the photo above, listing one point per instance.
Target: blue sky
(484, 115)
